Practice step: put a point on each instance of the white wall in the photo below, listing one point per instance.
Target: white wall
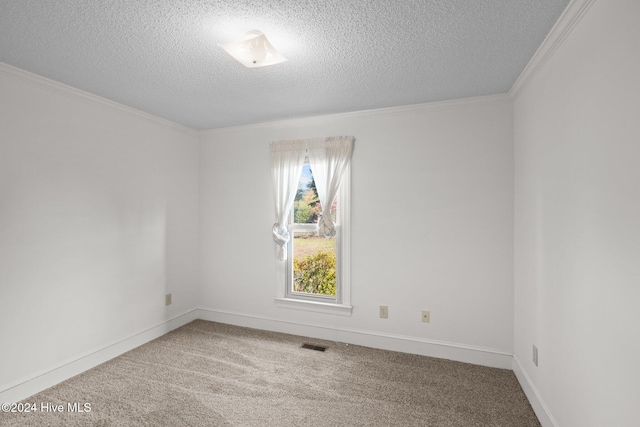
(98, 220)
(99, 214)
(432, 226)
(577, 250)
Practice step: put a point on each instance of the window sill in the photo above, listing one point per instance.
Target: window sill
(315, 306)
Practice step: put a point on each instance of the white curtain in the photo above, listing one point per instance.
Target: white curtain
(329, 158)
(287, 159)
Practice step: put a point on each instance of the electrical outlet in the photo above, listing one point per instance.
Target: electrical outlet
(384, 312)
(535, 355)
(426, 316)
(167, 299)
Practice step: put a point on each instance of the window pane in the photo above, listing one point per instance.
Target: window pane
(314, 264)
(306, 206)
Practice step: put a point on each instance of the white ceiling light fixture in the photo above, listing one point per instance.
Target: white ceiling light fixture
(253, 51)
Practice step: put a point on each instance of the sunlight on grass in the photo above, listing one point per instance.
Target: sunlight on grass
(312, 245)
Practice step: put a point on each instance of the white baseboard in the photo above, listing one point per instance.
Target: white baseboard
(443, 350)
(530, 390)
(37, 382)
(24, 388)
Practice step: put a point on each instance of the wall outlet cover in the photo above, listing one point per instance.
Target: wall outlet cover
(384, 312)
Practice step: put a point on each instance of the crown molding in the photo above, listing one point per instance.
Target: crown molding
(389, 111)
(63, 89)
(562, 28)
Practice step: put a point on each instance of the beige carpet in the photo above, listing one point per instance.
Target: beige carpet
(211, 374)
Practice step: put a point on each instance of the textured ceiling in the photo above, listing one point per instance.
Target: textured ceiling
(161, 56)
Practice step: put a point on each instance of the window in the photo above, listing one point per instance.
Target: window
(316, 268)
(311, 269)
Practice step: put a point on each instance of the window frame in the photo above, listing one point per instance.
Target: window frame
(341, 303)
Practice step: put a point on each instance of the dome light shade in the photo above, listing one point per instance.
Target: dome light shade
(253, 51)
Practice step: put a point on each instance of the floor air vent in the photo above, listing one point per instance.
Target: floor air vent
(314, 347)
